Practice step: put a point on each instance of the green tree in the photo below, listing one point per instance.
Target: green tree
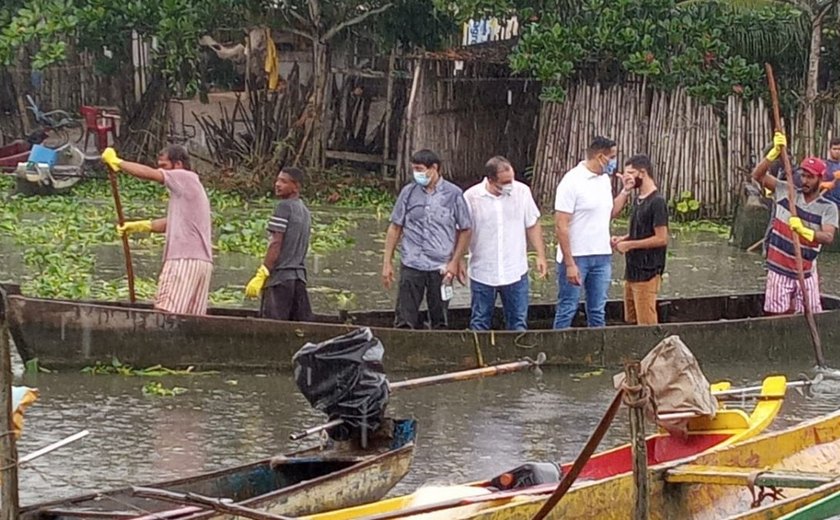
(821, 17)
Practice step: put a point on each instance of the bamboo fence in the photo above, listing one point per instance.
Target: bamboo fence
(468, 113)
(692, 146)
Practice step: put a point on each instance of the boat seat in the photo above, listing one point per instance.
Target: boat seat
(736, 476)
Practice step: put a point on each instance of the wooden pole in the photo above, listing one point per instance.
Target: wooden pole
(452, 377)
(389, 100)
(582, 458)
(213, 503)
(9, 504)
(636, 404)
(129, 269)
(797, 247)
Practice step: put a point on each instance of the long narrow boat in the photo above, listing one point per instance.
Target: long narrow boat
(759, 479)
(64, 334)
(729, 426)
(300, 483)
(828, 507)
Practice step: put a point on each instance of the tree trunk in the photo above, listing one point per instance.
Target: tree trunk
(321, 73)
(808, 127)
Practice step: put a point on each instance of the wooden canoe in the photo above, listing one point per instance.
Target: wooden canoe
(827, 507)
(300, 483)
(728, 427)
(803, 462)
(71, 335)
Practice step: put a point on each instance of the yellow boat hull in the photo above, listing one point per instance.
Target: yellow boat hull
(735, 424)
(813, 446)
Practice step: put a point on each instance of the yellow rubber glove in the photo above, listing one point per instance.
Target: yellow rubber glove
(109, 157)
(137, 226)
(796, 225)
(255, 286)
(779, 142)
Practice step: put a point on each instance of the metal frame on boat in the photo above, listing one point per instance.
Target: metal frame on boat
(728, 427)
(300, 483)
(65, 334)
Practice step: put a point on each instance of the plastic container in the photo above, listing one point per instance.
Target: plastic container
(43, 155)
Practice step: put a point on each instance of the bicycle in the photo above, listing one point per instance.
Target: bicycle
(56, 122)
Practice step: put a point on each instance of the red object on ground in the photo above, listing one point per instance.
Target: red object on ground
(98, 122)
(12, 154)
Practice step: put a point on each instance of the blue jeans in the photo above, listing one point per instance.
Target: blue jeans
(514, 304)
(595, 275)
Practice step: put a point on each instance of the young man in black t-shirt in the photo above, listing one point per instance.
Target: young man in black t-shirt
(645, 245)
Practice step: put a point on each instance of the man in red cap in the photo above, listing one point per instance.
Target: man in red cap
(815, 223)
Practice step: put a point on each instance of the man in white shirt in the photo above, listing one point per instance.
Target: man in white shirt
(503, 215)
(583, 209)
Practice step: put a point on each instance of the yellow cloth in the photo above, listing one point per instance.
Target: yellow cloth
(109, 157)
(22, 397)
(796, 225)
(255, 286)
(779, 142)
(138, 226)
(272, 62)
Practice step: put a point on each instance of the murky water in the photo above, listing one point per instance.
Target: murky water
(468, 430)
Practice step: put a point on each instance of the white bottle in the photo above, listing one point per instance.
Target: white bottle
(445, 286)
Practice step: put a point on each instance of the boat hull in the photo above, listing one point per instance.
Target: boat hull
(72, 335)
(727, 427)
(301, 483)
(813, 446)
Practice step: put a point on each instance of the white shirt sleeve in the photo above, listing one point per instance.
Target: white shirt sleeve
(532, 212)
(565, 199)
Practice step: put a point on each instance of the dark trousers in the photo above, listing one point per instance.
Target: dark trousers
(287, 301)
(414, 284)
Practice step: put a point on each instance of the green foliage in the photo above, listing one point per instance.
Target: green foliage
(59, 237)
(94, 25)
(712, 48)
(686, 207)
(155, 388)
(115, 367)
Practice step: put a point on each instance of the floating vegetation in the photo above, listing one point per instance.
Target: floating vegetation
(118, 368)
(155, 388)
(59, 237)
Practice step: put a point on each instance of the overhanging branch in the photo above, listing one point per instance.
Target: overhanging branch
(354, 21)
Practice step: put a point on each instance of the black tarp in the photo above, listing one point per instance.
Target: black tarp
(344, 378)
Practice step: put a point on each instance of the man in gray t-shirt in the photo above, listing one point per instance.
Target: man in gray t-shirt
(433, 220)
(283, 285)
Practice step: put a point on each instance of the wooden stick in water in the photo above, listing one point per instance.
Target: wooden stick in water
(797, 247)
(452, 377)
(581, 460)
(215, 504)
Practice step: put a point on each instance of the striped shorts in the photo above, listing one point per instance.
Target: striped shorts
(782, 294)
(183, 286)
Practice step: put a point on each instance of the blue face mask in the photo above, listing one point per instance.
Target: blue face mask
(421, 178)
(611, 166)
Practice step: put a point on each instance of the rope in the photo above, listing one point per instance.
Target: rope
(520, 345)
(478, 355)
(640, 402)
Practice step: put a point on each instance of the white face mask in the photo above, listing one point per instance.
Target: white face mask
(507, 189)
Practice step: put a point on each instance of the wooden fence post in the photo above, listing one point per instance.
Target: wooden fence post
(635, 398)
(9, 501)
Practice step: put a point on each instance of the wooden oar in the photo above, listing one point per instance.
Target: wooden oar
(452, 377)
(581, 460)
(797, 247)
(52, 447)
(541, 489)
(215, 504)
(129, 269)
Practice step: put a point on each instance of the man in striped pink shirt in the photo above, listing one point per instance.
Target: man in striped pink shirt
(815, 225)
(184, 281)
